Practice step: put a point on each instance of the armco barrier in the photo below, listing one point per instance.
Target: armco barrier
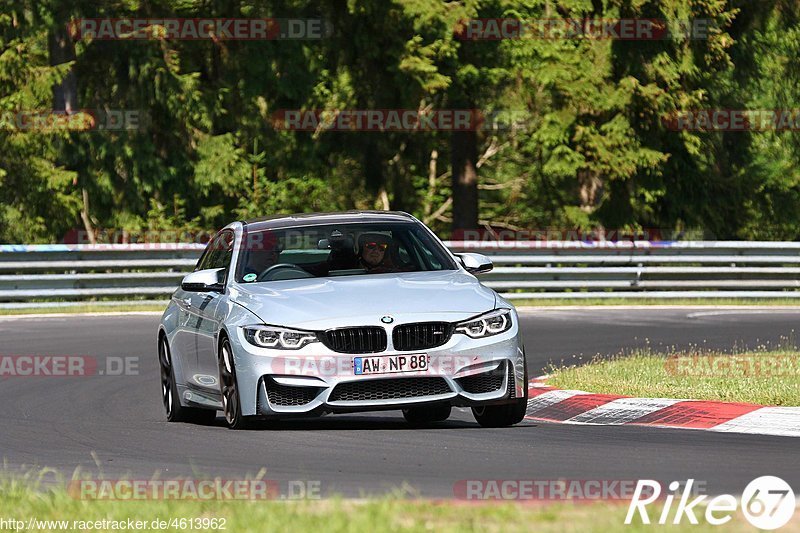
(54, 275)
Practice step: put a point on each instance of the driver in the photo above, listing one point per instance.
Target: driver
(374, 253)
(262, 258)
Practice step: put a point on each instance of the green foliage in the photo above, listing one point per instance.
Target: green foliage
(578, 141)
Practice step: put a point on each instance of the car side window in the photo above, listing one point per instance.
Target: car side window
(402, 252)
(424, 254)
(219, 252)
(204, 257)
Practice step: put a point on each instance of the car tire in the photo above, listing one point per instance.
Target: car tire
(169, 392)
(498, 416)
(428, 414)
(231, 403)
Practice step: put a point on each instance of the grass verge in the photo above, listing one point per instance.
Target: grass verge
(763, 377)
(686, 302)
(83, 308)
(21, 502)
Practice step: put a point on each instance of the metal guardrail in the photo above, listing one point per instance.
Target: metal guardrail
(53, 274)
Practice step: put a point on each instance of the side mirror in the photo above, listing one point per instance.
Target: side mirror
(475, 263)
(210, 280)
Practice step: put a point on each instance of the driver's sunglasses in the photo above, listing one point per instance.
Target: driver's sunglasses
(382, 246)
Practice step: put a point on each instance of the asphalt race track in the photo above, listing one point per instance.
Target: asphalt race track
(61, 421)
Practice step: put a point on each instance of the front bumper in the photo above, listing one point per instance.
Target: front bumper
(316, 380)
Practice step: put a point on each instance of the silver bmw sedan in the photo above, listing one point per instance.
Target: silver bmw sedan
(309, 314)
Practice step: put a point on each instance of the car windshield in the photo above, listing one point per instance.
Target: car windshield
(339, 250)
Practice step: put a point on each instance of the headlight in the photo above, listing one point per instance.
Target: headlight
(278, 338)
(491, 323)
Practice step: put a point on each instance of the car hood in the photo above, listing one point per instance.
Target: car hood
(321, 303)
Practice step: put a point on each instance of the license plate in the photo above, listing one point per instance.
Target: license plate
(390, 364)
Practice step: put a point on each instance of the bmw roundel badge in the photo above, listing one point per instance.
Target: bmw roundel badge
(387, 319)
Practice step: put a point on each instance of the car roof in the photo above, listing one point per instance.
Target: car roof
(312, 219)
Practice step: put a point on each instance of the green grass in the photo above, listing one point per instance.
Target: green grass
(551, 302)
(84, 308)
(21, 501)
(762, 377)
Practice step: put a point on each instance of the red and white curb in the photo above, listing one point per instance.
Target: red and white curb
(577, 407)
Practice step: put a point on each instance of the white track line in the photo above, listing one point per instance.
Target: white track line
(741, 312)
(782, 421)
(549, 398)
(623, 410)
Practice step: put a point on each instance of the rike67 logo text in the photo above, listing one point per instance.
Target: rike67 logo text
(768, 502)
